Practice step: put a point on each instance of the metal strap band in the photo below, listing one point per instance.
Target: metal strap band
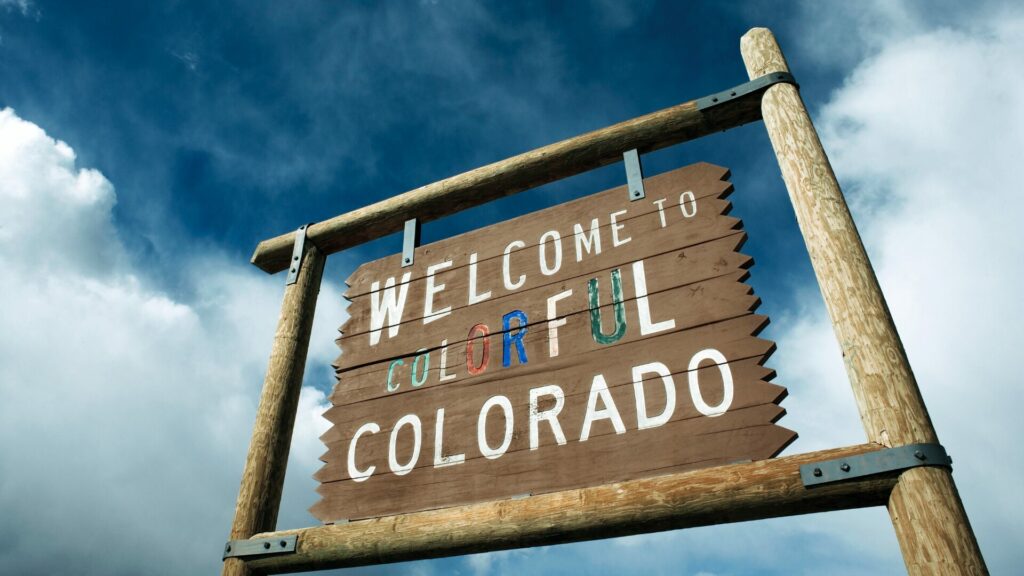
(634, 174)
(759, 84)
(296, 264)
(410, 241)
(261, 546)
(871, 463)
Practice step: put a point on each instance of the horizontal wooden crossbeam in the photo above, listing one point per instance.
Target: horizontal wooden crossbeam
(734, 493)
(653, 131)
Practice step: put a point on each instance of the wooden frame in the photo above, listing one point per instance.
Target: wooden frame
(932, 528)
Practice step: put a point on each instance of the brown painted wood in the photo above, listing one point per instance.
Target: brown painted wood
(718, 310)
(694, 277)
(931, 525)
(723, 494)
(654, 131)
(259, 496)
(706, 181)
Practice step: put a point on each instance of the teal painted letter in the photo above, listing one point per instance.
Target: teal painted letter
(595, 310)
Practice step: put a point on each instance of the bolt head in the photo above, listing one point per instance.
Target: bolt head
(844, 467)
(817, 472)
(266, 545)
(284, 544)
(920, 455)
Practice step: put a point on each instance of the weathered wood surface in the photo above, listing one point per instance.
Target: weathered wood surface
(734, 493)
(259, 496)
(576, 155)
(934, 532)
(693, 277)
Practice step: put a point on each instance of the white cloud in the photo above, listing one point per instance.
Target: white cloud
(927, 137)
(22, 6)
(125, 413)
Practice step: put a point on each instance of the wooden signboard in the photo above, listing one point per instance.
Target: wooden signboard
(597, 341)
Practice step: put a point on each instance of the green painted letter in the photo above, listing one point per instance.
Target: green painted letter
(595, 310)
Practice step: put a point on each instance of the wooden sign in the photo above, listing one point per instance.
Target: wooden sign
(597, 341)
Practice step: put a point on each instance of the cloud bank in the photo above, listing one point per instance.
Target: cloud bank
(125, 413)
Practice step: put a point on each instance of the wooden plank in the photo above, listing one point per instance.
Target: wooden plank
(706, 182)
(931, 525)
(735, 493)
(576, 155)
(259, 496)
(415, 424)
(694, 325)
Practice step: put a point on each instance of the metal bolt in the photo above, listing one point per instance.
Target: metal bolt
(817, 472)
(295, 257)
(284, 544)
(406, 260)
(844, 467)
(293, 270)
(227, 548)
(714, 99)
(920, 455)
(266, 545)
(732, 93)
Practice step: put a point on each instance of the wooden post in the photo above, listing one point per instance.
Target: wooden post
(931, 525)
(260, 494)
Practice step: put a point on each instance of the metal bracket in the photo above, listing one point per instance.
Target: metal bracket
(260, 547)
(760, 83)
(871, 463)
(634, 174)
(410, 242)
(296, 263)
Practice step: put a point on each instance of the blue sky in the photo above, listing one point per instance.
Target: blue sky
(145, 148)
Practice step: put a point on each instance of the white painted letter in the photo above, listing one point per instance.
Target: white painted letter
(429, 315)
(542, 251)
(443, 375)
(356, 474)
(684, 198)
(644, 421)
(584, 242)
(506, 275)
(440, 461)
(723, 367)
(391, 308)
(661, 210)
(643, 306)
(553, 324)
(616, 227)
(417, 435)
(599, 389)
(481, 427)
(551, 414)
(475, 298)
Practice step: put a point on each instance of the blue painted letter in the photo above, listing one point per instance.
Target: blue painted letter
(508, 337)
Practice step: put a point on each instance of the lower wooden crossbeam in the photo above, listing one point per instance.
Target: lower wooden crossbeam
(734, 493)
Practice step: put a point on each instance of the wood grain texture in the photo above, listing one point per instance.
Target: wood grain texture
(734, 493)
(693, 276)
(934, 532)
(259, 496)
(576, 155)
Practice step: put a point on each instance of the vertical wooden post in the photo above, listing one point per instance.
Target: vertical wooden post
(931, 525)
(259, 496)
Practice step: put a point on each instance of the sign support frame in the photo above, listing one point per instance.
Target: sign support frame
(931, 525)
